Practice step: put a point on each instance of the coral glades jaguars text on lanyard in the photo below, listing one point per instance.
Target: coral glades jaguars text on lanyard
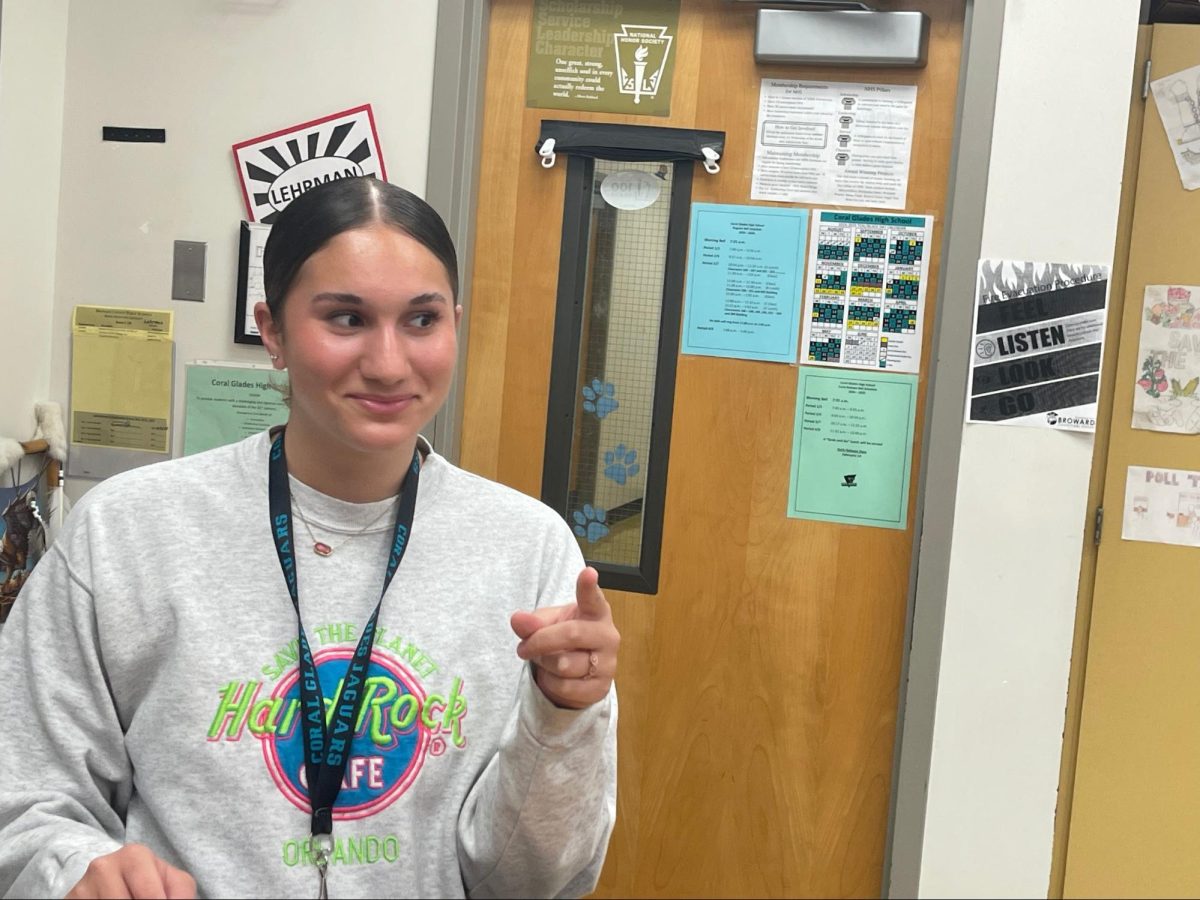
(327, 747)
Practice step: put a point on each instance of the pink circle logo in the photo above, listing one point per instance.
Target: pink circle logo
(391, 735)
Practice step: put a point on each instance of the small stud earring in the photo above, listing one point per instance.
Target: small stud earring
(274, 356)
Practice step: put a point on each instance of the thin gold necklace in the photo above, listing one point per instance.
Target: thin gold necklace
(323, 549)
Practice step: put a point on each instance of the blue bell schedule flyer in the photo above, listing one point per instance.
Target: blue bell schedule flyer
(852, 447)
(745, 271)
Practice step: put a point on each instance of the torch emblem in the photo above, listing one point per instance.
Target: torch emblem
(642, 52)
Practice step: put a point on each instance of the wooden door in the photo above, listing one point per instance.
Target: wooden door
(759, 687)
(1135, 809)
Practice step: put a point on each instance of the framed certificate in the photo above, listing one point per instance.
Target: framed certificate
(251, 243)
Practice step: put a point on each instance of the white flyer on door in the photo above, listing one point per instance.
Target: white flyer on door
(834, 143)
(1177, 98)
(1162, 506)
(1165, 395)
(864, 294)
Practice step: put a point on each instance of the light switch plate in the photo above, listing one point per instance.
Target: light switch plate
(187, 273)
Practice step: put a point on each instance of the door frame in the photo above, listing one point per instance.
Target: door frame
(970, 165)
(451, 187)
(452, 170)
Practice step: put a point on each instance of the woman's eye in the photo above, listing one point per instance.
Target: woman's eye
(425, 319)
(346, 319)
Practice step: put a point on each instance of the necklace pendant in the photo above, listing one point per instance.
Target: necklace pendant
(322, 549)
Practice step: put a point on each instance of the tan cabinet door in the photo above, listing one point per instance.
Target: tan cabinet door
(759, 687)
(1135, 810)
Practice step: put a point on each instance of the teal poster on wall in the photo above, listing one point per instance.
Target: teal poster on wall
(852, 447)
(745, 272)
(227, 402)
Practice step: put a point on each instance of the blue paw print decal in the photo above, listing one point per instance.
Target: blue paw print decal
(599, 398)
(589, 523)
(621, 464)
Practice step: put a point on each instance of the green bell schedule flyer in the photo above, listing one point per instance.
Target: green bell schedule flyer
(227, 402)
(852, 447)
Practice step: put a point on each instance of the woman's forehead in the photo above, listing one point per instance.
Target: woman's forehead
(376, 255)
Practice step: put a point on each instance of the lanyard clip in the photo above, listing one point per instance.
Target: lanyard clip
(322, 846)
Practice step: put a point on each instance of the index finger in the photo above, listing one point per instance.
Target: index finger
(589, 598)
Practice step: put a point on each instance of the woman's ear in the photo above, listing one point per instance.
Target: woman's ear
(270, 333)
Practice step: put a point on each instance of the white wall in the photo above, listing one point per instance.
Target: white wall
(33, 43)
(212, 73)
(1053, 191)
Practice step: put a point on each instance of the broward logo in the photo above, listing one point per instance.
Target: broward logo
(398, 727)
(276, 168)
(1055, 420)
(849, 480)
(642, 52)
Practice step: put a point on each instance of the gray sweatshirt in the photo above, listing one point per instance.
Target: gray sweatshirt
(150, 695)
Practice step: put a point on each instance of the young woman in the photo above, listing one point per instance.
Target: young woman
(288, 666)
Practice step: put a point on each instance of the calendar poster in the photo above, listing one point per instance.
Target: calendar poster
(864, 297)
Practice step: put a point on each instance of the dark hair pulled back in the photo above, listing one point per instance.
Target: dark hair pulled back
(320, 214)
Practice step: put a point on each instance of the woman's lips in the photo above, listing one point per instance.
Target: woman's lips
(380, 403)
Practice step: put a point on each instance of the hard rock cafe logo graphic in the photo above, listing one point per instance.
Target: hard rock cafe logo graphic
(277, 168)
(642, 52)
(398, 728)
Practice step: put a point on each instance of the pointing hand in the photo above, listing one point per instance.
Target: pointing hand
(573, 647)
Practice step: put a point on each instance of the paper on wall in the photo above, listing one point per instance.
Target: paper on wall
(274, 169)
(834, 143)
(229, 401)
(1177, 98)
(864, 295)
(255, 292)
(1168, 374)
(852, 447)
(745, 265)
(1162, 506)
(121, 378)
(1037, 344)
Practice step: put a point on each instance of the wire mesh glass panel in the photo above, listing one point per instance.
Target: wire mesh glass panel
(618, 357)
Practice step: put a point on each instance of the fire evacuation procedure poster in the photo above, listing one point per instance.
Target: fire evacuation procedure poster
(1037, 344)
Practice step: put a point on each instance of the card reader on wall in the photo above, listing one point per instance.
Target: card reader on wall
(841, 37)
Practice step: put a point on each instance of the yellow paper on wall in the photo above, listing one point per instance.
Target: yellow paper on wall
(121, 363)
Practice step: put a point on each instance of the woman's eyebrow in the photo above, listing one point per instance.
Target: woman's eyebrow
(334, 297)
(426, 299)
(423, 299)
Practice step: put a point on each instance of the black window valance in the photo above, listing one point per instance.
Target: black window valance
(629, 143)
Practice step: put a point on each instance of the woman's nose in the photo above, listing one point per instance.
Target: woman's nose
(385, 358)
